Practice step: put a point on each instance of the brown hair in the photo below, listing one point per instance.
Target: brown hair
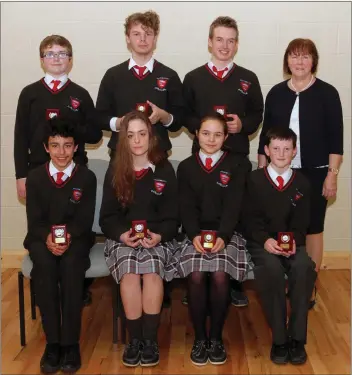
(148, 19)
(59, 40)
(124, 176)
(305, 46)
(225, 22)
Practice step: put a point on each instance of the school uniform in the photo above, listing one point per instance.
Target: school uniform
(124, 86)
(53, 200)
(210, 199)
(233, 91)
(273, 206)
(41, 101)
(155, 200)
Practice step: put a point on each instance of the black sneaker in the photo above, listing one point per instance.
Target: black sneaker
(238, 298)
(279, 354)
(51, 360)
(132, 354)
(199, 353)
(217, 353)
(298, 354)
(150, 353)
(71, 358)
(184, 300)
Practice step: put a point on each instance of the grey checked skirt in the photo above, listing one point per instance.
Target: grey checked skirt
(234, 259)
(122, 259)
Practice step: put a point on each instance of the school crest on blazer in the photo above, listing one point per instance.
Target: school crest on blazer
(76, 195)
(225, 178)
(74, 104)
(245, 85)
(159, 186)
(161, 83)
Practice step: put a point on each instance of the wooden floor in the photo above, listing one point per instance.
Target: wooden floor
(246, 334)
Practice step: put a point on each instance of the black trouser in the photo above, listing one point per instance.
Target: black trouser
(58, 284)
(270, 281)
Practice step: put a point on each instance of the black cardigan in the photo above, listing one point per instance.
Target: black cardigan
(320, 120)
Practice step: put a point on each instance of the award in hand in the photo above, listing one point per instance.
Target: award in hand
(59, 234)
(143, 107)
(285, 241)
(208, 239)
(139, 228)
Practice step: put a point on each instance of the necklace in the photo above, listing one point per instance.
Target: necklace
(305, 88)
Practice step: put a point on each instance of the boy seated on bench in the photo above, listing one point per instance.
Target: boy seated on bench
(60, 212)
(276, 214)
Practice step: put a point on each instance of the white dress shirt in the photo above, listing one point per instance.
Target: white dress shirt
(149, 68)
(48, 78)
(214, 157)
(149, 165)
(67, 172)
(273, 174)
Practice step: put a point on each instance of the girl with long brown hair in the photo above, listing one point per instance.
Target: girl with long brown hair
(139, 217)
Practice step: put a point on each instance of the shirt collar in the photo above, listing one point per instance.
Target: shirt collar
(150, 165)
(273, 174)
(48, 78)
(68, 171)
(214, 157)
(149, 65)
(229, 66)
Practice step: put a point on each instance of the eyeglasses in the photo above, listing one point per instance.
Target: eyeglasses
(60, 55)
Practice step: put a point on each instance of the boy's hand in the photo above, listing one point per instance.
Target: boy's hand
(293, 252)
(154, 239)
(197, 245)
(55, 248)
(128, 240)
(235, 125)
(21, 187)
(118, 122)
(272, 247)
(158, 114)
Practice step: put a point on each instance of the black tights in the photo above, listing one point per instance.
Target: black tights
(218, 297)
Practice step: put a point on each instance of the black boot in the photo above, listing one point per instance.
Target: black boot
(50, 361)
(71, 358)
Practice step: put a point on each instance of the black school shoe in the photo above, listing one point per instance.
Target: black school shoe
(150, 353)
(217, 353)
(199, 353)
(279, 354)
(71, 358)
(132, 354)
(298, 354)
(51, 359)
(238, 298)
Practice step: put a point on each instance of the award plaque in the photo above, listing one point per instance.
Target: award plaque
(139, 228)
(59, 234)
(285, 241)
(208, 238)
(143, 107)
(220, 109)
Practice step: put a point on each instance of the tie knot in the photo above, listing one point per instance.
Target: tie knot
(59, 176)
(219, 73)
(280, 181)
(141, 70)
(208, 162)
(139, 173)
(56, 83)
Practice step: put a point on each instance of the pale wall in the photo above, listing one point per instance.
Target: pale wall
(96, 32)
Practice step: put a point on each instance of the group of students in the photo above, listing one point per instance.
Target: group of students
(144, 204)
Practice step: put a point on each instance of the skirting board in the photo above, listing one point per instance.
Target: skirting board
(332, 260)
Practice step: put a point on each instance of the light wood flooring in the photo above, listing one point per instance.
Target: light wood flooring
(246, 334)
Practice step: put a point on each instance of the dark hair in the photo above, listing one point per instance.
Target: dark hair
(149, 19)
(51, 40)
(305, 46)
(211, 116)
(124, 176)
(62, 128)
(282, 133)
(223, 21)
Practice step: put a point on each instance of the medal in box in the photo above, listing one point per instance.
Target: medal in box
(285, 241)
(143, 107)
(59, 234)
(208, 238)
(139, 228)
